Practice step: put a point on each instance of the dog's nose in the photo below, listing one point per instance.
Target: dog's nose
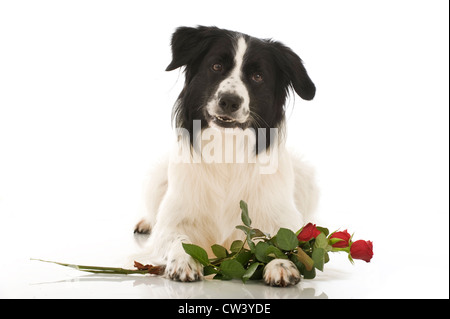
(230, 103)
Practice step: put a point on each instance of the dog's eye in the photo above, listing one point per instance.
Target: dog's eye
(257, 77)
(217, 67)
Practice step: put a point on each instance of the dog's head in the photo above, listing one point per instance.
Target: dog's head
(234, 80)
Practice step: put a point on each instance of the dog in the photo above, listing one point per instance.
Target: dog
(234, 98)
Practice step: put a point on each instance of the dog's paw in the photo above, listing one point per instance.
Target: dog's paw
(143, 227)
(184, 268)
(281, 273)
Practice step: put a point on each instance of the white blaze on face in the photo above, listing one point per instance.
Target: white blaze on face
(233, 84)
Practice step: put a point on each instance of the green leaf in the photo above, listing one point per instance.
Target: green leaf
(221, 276)
(258, 274)
(250, 243)
(273, 251)
(244, 216)
(323, 230)
(309, 274)
(197, 252)
(321, 241)
(236, 246)
(219, 251)
(286, 239)
(257, 233)
(250, 271)
(209, 270)
(261, 252)
(243, 257)
(232, 268)
(318, 256)
(245, 229)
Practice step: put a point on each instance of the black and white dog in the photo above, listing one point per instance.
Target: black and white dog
(230, 119)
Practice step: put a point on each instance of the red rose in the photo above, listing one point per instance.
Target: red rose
(344, 235)
(308, 232)
(362, 249)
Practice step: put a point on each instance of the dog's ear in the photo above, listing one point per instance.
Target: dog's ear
(189, 44)
(294, 72)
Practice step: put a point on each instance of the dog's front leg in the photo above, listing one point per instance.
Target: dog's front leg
(180, 266)
(165, 246)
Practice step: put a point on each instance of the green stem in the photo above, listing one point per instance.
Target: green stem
(305, 259)
(96, 269)
(346, 249)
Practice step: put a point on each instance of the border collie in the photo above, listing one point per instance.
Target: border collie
(230, 120)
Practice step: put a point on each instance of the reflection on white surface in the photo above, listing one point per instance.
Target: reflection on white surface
(156, 287)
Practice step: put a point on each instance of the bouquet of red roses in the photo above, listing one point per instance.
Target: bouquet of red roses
(308, 249)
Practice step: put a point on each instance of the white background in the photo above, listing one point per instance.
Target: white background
(85, 109)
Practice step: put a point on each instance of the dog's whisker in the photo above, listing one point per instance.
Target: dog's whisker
(259, 118)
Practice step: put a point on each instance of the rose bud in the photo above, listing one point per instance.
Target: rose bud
(344, 235)
(362, 249)
(308, 232)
